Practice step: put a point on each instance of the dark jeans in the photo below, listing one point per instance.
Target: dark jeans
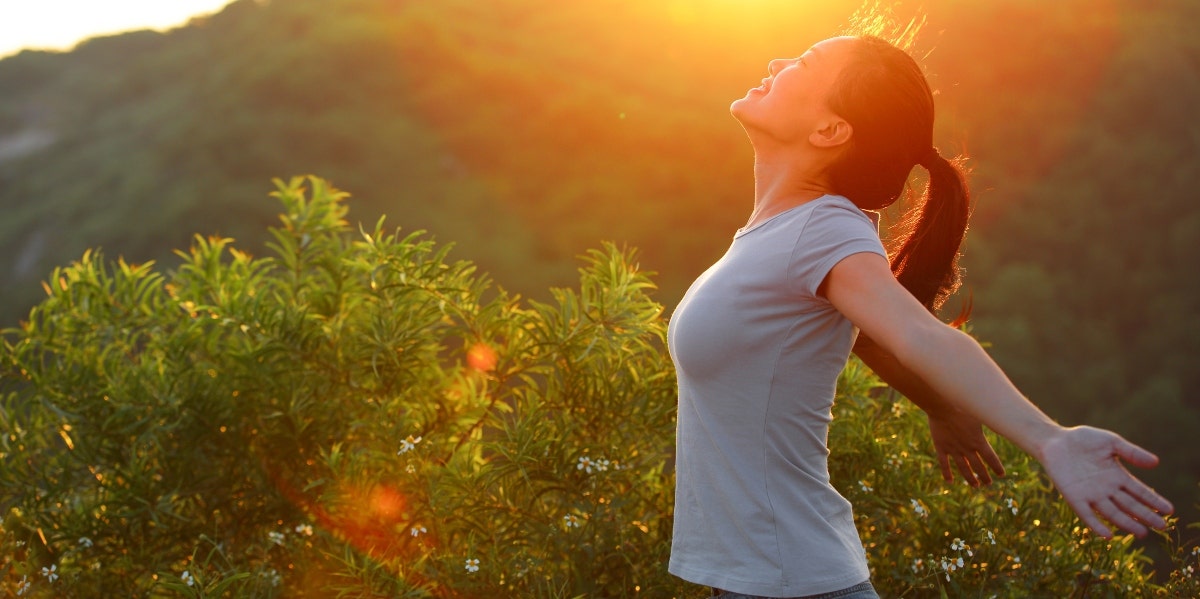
(859, 591)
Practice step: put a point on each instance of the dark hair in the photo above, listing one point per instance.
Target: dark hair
(883, 94)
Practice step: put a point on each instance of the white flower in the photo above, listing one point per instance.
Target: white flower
(571, 521)
(472, 565)
(22, 586)
(408, 444)
(410, 469)
(417, 530)
(919, 509)
(991, 537)
(272, 577)
(50, 573)
(276, 537)
(187, 578)
(85, 542)
(304, 529)
(1011, 504)
(865, 487)
(948, 567)
(917, 565)
(600, 464)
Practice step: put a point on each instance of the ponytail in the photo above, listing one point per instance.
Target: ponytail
(882, 93)
(926, 260)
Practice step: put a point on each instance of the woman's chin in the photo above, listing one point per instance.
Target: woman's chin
(739, 106)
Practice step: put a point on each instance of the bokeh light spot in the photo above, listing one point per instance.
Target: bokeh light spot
(481, 357)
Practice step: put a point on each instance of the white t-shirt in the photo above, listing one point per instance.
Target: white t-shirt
(757, 354)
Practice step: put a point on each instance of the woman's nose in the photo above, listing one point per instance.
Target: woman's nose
(774, 66)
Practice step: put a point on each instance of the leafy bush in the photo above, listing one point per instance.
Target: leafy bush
(363, 417)
(1015, 538)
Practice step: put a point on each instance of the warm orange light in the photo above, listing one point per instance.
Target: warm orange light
(386, 504)
(369, 518)
(481, 357)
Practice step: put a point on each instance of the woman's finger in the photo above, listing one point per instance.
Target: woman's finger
(993, 461)
(964, 468)
(944, 462)
(1147, 496)
(981, 472)
(1084, 510)
(1113, 512)
(1138, 510)
(1134, 454)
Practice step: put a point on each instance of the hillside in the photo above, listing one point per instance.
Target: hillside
(527, 132)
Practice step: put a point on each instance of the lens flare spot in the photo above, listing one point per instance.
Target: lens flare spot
(386, 504)
(481, 357)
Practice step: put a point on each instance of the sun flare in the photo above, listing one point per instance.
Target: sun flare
(60, 24)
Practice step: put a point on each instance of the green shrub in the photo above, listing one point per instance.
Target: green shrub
(360, 416)
(1015, 538)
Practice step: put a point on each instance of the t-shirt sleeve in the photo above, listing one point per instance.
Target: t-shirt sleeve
(833, 232)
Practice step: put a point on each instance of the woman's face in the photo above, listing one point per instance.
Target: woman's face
(791, 102)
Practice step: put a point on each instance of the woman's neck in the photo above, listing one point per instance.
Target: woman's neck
(781, 184)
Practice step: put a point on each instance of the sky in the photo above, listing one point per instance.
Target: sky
(60, 24)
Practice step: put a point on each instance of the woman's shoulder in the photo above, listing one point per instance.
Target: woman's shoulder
(836, 208)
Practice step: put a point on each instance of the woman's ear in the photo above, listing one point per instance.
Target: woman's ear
(831, 133)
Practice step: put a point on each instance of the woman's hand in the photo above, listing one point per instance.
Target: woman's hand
(958, 438)
(1085, 464)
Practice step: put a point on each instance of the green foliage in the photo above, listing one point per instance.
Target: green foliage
(358, 416)
(528, 130)
(1015, 538)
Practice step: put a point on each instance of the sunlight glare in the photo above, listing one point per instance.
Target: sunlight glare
(60, 24)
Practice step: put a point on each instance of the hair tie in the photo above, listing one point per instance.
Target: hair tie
(929, 157)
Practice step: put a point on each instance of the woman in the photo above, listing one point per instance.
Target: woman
(759, 339)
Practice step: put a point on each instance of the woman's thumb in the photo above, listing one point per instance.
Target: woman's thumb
(1134, 454)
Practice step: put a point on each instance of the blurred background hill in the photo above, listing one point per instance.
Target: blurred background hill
(528, 131)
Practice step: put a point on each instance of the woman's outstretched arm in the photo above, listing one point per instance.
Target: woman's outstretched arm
(957, 436)
(1084, 463)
